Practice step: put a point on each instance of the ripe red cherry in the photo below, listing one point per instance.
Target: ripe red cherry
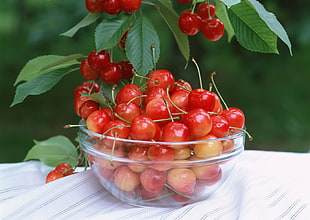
(130, 92)
(144, 128)
(182, 85)
(218, 107)
(212, 29)
(159, 109)
(162, 78)
(220, 126)
(87, 108)
(201, 98)
(97, 120)
(122, 42)
(153, 180)
(127, 111)
(78, 102)
(175, 132)
(235, 118)
(189, 23)
(111, 73)
(206, 10)
(53, 175)
(88, 72)
(198, 121)
(127, 69)
(87, 87)
(65, 168)
(154, 93)
(111, 7)
(93, 6)
(180, 98)
(116, 128)
(98, 60)
(130, 6)
(161, 153)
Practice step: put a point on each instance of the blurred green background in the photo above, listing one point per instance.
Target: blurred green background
(273, 90)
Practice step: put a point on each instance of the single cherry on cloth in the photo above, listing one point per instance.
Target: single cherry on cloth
(212, 29)
(53, 175)
(189, 22)
(65, 168)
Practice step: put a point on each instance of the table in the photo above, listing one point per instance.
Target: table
(264, 185)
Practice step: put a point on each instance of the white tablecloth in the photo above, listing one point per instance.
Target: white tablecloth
(263, 186)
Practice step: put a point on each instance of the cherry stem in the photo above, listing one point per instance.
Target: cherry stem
(113, 92)
(118, 116)
(116, 133)
(209, 15)
(169, 187)
(217, 91)
(151, 3)
(198, 72)
(73, 126)
(158, 197)
(172, 103)
(245, 131)
(167, 119)
(112, 151)
(153, 55)
(169, 112)
(134, 98)
(183, 87)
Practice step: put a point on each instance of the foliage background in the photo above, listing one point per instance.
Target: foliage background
(273, 90)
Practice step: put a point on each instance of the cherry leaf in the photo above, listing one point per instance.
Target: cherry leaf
(109, 32)
(43, 64)
(143, 46)
(171, 18)
(250, 30)
(38, 85)
(55, 150)
(86, 21)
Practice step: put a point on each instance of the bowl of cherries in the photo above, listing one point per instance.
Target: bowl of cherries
(163, 144)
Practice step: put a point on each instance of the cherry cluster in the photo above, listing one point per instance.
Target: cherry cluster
(61, 170)
(192, 22)
(98, 65)
(112, 7)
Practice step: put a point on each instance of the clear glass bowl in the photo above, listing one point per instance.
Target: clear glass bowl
(143, 182)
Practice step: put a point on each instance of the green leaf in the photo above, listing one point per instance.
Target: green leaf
(109, 32)
(230, 3)
(98, 97)
(86, 21)
(272, 23)
(171, 18)
(250, 30)
(143, 46)
(55, 150)
(39, 85)
(44, 64)
(221, 13)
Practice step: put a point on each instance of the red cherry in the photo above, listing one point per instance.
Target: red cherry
(212, 29)
(78, 102)
(111, 73)
(130, 6)
(111, 7)
(235, 118)
(154, 93)
(198, 121)
(87, 87)
(129, 92)
(127, 69)
(98, 60)
(88, 72)
(189, 23)
(87, 108)
(161, 153)
(53, 175)
(201, 98)
(218, 107)
(182, 85)
(93, 6)
(162, 78)
(127, 112)
(175, 132)
(122, 42)
(180, 98)
(220, 126)
(206, 11)
(97, 120)
(65, 168)
(115, 128)
(153, 180)
(159, 109)
(144, 128)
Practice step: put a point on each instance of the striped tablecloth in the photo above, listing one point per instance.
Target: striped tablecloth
(264, 185)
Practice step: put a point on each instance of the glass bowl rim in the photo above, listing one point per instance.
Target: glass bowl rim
(222, 157)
